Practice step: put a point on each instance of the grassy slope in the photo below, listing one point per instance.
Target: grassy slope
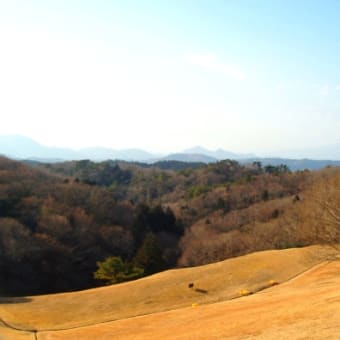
(11, 334)
(307, 307)
(161, 292)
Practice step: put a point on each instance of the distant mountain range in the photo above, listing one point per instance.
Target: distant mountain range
(189, 157)
(293, 164)
(20, 147)
(331, 151)
(217, 154)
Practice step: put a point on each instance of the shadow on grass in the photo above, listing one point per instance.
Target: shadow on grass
(12, 300)
(202, 291)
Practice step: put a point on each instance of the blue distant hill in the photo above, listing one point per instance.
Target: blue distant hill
(20, 147)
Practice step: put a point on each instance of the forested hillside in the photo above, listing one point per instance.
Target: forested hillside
(59, 222)
(53, 230)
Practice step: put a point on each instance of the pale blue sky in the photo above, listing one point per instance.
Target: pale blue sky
(247, 76)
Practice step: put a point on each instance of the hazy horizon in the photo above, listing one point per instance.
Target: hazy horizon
(26, 147)
(248, 77)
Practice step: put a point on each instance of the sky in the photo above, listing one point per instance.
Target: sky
(247, 76)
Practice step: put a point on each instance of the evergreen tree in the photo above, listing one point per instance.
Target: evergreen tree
(149, 255)
(115, 270)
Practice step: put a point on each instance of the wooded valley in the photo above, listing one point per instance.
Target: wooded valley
(60, 222)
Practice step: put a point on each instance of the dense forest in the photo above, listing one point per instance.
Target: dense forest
(60, 222)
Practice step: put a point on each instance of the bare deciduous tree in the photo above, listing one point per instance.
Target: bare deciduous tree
(325, 205)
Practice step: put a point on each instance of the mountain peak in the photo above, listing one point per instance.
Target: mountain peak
(197, 150)
(217, 154)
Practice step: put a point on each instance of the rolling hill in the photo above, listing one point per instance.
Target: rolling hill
(303, 291)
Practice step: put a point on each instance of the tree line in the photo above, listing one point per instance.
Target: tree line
(75, 225)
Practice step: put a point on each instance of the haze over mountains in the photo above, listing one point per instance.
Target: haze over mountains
(24, 147)
(21, 147)
(217, 154)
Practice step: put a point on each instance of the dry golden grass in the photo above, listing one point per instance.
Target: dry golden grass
(11, 334)
(169, 302)
(304, 308)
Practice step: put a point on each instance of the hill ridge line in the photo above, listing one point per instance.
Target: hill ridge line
(6, 324)
(297, 276)
(36, 332)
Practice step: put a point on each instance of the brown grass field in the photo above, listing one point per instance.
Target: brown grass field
(302, 302)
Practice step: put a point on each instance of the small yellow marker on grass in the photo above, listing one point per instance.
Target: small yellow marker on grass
(194, 305)
(244, 292)
(273, 282)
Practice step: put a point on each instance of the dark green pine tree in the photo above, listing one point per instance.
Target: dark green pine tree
(149, 255)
